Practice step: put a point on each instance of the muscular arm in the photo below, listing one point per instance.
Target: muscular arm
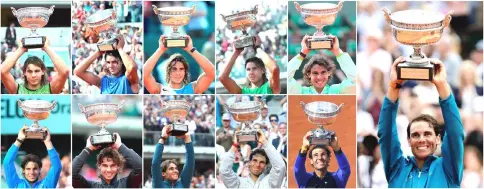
(150, 83)
(206, 78)
(229, 177)
(271, 64)
(57, 83)
(78, 181)
(225, 79)
(133, 159)
(7, 78)
(89, 77)
(131, 70)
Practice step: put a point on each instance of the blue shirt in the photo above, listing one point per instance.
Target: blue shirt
(437, 172)
(187, 89)
(186, 174)
(14, 181)
(115, 85)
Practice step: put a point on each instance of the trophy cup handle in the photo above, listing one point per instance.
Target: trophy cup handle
(256, 9)
(194, 8)
(83, 110)
(14, 11)
(53, 105)
(302, 104)
(340, 106)
(19, 103)
(120, 105)
(223, 17)
(51, 10)
(387, 15)
(155, 9)
(447, 18)
(340, 5)
(298, 7)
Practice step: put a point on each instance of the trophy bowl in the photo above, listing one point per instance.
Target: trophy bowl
(33, 17)
(241, 21)
(417, 28)
(321, 113)
(102, 23)
(175, 17)
(245, 111)
(102, 114)
(177, 110)
(36, 110)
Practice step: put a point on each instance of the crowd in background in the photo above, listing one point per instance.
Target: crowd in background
(84, 39)
(460, 49)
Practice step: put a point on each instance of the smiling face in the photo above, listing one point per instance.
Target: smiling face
(257, 164)
(319, 76)
(108, 168)
(31, 171)
(319, 159)
(177, 73)
(171, 172)
(423, 139)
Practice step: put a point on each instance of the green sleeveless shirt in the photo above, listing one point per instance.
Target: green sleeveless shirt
(45, 89)
(264, 89)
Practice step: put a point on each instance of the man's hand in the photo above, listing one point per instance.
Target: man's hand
(90, 146)
(235, 139)
(165, 131)
(21, 133)
(440, 76)
(334, 143)
(161, 43)
(46, 44)
(393, 72)
(117, 142)
(47, 137)
(304, 47)
(335, 50)
(262, 137)
(186, 137)
(121, 42)
(305, 143)
(189, 45)
(20, 46)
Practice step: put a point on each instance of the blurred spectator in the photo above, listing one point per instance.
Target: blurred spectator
(11, 36)
(280, 143)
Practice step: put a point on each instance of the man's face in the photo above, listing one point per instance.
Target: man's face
(171, 172)
(320, 159)
(274, 121)
(423, 139)
(177, 73)
(257, 164)
(253, 72)
(283, 129)
(34, 74)
(113, 65)
(31, 171)
(226, 123)
(108, 169)
(319, 76)
(264, 112)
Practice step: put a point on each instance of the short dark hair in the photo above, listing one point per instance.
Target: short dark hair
(426, 118)
(37, 62)
(370, 142)
(259, 64)
(112, 154)
(172, 61)
(324, 147)
(31, 158)
(273, 115)
(116, 55)
(260, 152)
(166, 163)
(320, 60)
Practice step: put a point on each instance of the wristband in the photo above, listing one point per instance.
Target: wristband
(302, 54)
(235, 145)
(193, 49)
(395, 85)
(88, 150)
(304, 148)
(20, 141)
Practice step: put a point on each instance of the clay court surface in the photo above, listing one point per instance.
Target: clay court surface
(345, 128)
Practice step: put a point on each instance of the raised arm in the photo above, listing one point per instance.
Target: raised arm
(300, 173)
(208, 75)
(58, 82)
(272, 66)
(224, 77)
(453, 142)
(7, 78)
(130, 65)
(294, 87)
(189, 167)
(150, 83)
(390, 147)
(229, 177)
(78, 181)
(344, 170)
(157, 179)
(89, 77)
(346, 64)
(278, 169)
(53, 175)
(9, 161)
(133, 159)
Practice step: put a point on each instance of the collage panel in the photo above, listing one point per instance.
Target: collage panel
(251, 141)
(35, 50)
(251, 47)
(107, 47)
(180, 47)
(420, 94)
(322, 47)
(107, 141)
(36, 141)
(179, 141)
(322, 144)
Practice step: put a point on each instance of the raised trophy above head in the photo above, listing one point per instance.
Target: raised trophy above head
(417, 28)
(319, 15)
(321, 114)
(241, 21)
(175, 17)
(102, 114)
(244, 112)
(36, 110)
(103, 22)
(176, 110)
(33, 18)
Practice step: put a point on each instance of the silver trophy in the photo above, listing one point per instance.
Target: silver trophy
(319, 15)
(244, 112)
(176, 110)
(36, 110)
(241, 21)
(175, 17)
(417, 28)
(321, 113)
(102, 114)
(33, 18)
(103, 23)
